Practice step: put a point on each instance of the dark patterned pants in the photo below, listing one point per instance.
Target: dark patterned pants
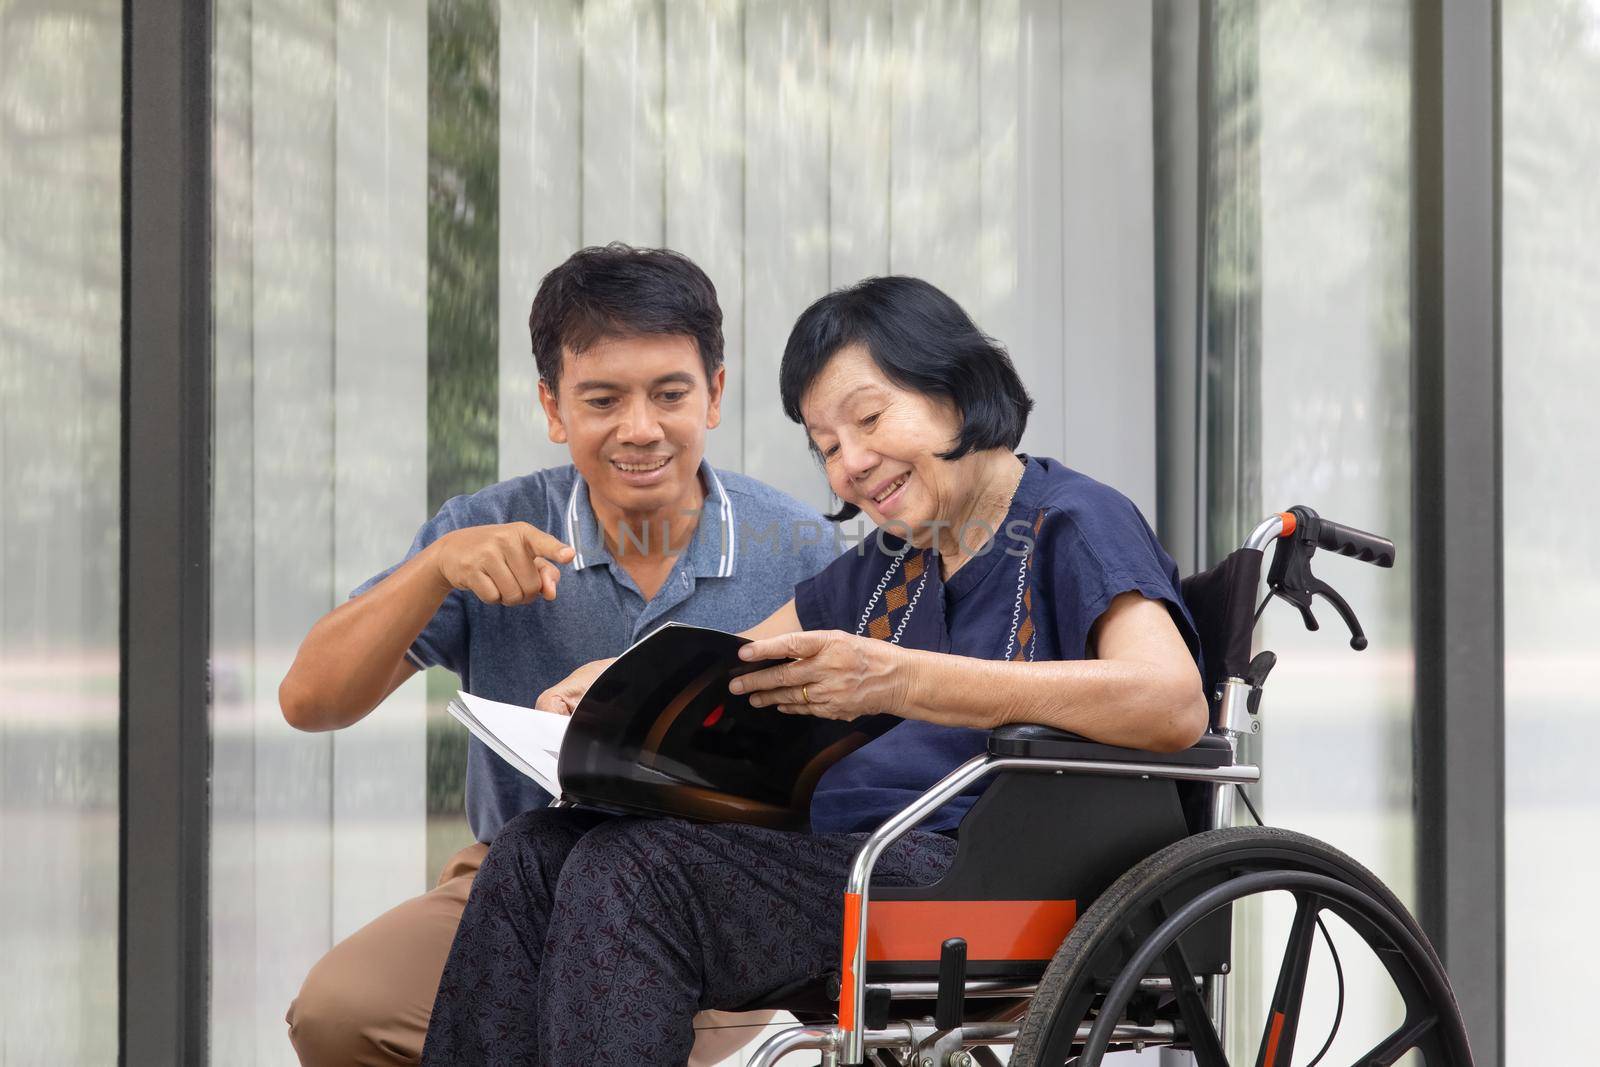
(593, 940)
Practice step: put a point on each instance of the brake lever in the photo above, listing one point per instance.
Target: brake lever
(1313, 586)
(1291, 579)
(1358, 638)
(1301, 599)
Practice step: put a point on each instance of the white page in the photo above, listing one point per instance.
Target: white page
(528, 739)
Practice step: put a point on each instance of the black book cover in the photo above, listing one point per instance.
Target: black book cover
(658, 733)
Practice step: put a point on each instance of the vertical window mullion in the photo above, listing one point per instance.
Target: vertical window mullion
(1459, 602)
(165, 606)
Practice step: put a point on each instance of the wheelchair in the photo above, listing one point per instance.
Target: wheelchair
(1089, 906)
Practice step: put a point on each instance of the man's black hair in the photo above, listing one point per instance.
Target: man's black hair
(621, 291)
(921, 340)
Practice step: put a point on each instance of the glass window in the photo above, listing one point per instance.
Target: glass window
(60, 485)
(1309, 370)
(790, 148)
(320, 478)
(1550, 242)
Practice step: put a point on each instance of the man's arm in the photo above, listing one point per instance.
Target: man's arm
(355, 655)
(786, 620)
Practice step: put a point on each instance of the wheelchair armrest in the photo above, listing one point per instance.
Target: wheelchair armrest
(1044, 742)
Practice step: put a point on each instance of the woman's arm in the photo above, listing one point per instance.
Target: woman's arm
(1143, 690)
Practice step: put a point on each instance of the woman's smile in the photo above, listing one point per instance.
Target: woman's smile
(886, 500)
(881, 446)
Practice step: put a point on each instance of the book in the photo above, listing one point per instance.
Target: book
(658, 733)
(528, 739)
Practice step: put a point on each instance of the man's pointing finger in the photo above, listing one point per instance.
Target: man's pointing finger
(546, 546)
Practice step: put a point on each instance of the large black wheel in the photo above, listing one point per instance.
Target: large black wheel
(1139, 924)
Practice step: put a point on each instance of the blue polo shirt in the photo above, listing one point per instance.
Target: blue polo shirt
(1067, 547)
(752, 545)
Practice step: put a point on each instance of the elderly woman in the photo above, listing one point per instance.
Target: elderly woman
(999, 588)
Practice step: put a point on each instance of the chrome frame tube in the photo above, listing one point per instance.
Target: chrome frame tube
(896, 826)
(1234, 713)
(1216, 995)
(1236, 722)
(989, 988)
(976, 988)
(799, 1038)
(893, 828)
(1217, 1006)
(1267, 531)
(906, 1036)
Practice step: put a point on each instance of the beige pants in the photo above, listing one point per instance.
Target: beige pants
(368, 1000)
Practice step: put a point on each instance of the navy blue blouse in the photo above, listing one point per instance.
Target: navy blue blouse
(1067, 547)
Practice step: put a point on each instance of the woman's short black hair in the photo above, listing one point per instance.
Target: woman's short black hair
(622, 291)
(921, 340)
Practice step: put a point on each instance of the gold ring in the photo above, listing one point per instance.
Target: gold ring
(805, 698)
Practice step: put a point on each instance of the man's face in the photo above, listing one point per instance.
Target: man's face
(634, 412)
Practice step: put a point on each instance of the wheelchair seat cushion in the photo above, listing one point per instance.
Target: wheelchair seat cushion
(1043, 742)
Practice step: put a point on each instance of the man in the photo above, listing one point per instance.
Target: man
(515, 586)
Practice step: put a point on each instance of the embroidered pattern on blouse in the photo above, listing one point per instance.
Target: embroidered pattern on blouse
(1023, 638)
(872, 602)
(912, 606)
(900, 597)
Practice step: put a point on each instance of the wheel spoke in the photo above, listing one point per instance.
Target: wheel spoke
(1277, 1044)
(1202, 1035)
(1397, 1044)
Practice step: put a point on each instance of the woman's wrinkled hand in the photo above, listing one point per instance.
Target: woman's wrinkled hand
(563, 697)
(831, 674)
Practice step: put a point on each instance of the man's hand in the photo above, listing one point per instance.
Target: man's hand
(565, 695)
(507, 564)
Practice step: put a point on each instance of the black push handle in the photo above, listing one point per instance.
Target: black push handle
(1357, 544)
(1304, 531)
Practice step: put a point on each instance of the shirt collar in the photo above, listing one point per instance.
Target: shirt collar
(712, 549)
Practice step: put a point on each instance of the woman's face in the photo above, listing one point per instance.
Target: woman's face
(879, 444)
